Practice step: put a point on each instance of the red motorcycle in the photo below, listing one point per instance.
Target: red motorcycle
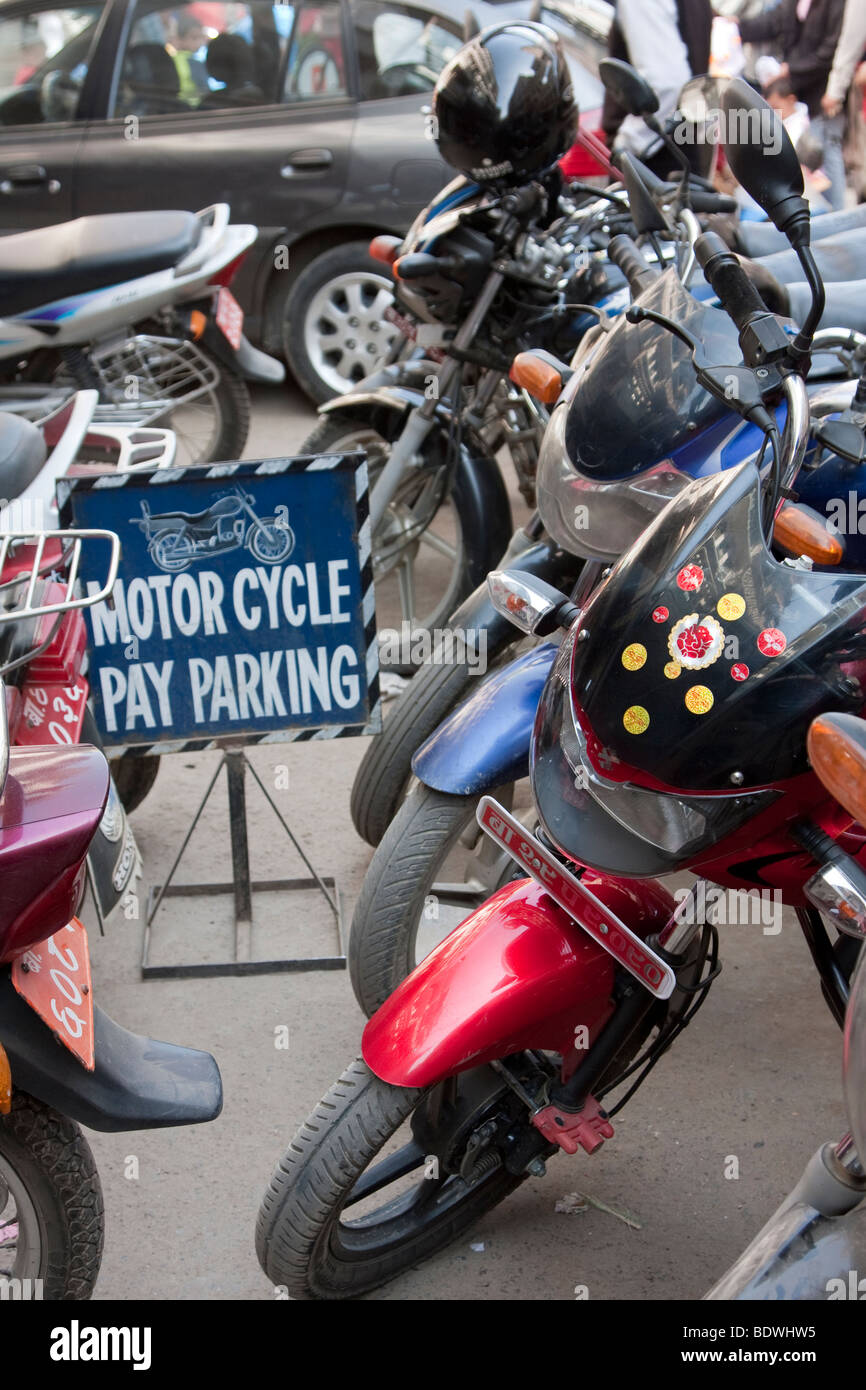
(671, 735)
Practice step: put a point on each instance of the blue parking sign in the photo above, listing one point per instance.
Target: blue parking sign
(243, 609)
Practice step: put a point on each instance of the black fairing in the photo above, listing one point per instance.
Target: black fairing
(755, 695)
(504, 106)
(637, 399)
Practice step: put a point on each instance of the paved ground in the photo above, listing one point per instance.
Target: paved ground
(755, 1079)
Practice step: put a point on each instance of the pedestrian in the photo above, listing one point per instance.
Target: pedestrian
(848, 75)
(806, 33)
(668, 42)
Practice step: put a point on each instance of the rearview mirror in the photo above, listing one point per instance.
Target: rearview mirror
(631, 91)
(699, 99)
(761, 156)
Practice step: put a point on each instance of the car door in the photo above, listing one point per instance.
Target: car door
(46, 63)
(401, 49)
(216, 101)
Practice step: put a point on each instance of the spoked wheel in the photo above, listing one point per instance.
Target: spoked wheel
(172, 551)
(433, 867)
(51, 1214)
(381, 1177)
(420, 551)
(271, 542)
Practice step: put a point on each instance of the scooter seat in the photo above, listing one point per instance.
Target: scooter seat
(90, 253)
(763, 239)
(838, 258)
(22, 454)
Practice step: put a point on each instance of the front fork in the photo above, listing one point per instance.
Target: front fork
(571, 1117)
(405, 450)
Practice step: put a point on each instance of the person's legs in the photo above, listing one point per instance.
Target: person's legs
(829, 130)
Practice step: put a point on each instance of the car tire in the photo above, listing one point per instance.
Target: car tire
(324, 293)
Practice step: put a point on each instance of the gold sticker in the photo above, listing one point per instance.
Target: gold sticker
(672, 670)
(731, 607)
(634, 656)
(699, 699)
(636, 719)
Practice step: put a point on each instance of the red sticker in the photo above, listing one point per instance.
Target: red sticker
(690, 578)
(660, 615)
(772, 642)
(740, 671)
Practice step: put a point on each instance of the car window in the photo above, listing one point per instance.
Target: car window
(400, 50)
(43, 62)
(209, 55)
(316, 67)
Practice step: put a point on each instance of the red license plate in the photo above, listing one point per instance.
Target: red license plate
(229, 317)
(51, 714)
(54, 978)
(406, 326)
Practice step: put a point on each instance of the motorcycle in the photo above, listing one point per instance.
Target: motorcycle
(176, 539)
(136, 306)
(625, 355)
(814, 1244)
(33, 455)
(671, 734)
(63, 1062)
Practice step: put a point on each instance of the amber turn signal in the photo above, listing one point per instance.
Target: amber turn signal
(385, 248)
(803, 533)
(5, 1083)
(539, 378)
(197, 323)
(837, 751)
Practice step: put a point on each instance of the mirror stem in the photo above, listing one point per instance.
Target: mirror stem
(802, 344)
(674, 150)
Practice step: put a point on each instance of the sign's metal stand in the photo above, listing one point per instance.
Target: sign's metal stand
(242, 887)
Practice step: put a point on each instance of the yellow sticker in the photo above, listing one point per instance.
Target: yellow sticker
(672, 670)
(699, 699)
(636, 719)
(731, 607)
(634, 656)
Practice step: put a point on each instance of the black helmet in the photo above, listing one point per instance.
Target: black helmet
(504, 106)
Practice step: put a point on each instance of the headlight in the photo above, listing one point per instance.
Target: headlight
(594, 519)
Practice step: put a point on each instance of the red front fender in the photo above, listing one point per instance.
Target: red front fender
(518, 973)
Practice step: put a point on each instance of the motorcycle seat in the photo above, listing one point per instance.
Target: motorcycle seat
(763, 239)
(845, 305)
(22, 454)
(199, 518)
(838, 258)
(90, 253)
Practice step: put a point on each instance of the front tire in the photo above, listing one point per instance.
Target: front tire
(391, 907)
(50, 1201)
(300, 1241)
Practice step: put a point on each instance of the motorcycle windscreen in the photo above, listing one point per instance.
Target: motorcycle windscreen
(703, 660)
(637, 398)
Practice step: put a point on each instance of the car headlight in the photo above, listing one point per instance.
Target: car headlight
(595, 519)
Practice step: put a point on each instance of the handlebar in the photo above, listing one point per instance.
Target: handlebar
(762, 337)
(628, 258)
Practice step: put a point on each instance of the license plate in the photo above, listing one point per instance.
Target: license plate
(591, 914)
(229, 317)
(406, 326)
(54, 978)
(51, 714)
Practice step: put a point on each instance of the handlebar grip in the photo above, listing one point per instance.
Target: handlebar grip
(705, 201)
(627, 257)
(762, 337)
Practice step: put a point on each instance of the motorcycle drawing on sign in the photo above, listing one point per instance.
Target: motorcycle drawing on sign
(175, 539)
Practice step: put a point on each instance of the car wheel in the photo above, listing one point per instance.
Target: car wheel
(334, 329)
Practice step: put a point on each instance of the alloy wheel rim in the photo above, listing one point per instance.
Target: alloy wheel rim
(346, 333)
